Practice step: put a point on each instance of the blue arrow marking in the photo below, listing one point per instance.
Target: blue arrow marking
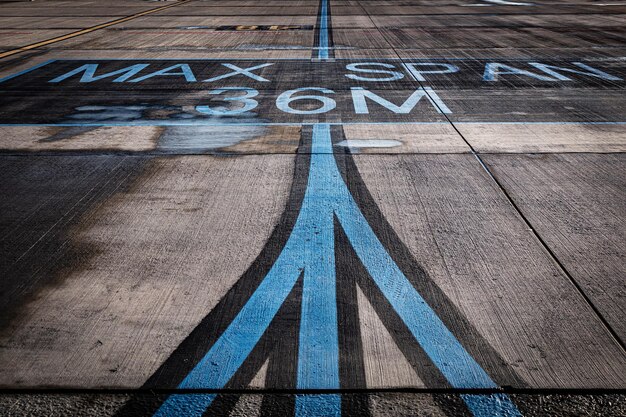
(310, 250)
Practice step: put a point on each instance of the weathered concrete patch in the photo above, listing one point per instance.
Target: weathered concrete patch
(163, 251)
(413, 138)
(43, 200)
(276, 139)
(453, 218)
(577, 204)
(59, 138)
(544, 138)
(202, 139)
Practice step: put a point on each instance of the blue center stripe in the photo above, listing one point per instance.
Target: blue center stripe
(310, 249)
(323, 37)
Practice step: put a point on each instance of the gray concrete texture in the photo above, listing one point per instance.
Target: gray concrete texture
(134, 227)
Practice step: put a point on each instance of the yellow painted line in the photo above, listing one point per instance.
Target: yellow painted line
(88, 30)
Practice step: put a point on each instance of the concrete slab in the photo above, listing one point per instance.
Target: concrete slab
(595, 21)
(106, 296)
(88, 9)
(576, 202)
(203, 22)
(390, 138)
(472, 243)
(513, 52)
(203, 39)
(544, 138)
(360, 39)
(182, 247)
(15, 38)
(251, 3)
(217, 139)
(50, 139)
(408, 9)
(46, 22)
(242, 11)
(495, 37)
(352, 22)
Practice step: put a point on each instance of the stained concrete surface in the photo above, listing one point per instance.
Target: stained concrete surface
(175, 212)
(565, 191)
(130, 240)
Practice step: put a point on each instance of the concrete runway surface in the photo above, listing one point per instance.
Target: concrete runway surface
(313, 208)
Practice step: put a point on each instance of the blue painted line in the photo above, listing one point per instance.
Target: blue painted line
(310, 249)
(186, 405)
(26, 71)
(323, 38)
(229, 352)
(443, 349)
(321, 405)
(492, 405)
(318, 356)
(302, 252)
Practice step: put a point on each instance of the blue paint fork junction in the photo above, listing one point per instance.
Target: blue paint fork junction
(417, 208)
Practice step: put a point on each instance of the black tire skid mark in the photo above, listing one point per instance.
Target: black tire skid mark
(469, 337)
(195, 346)
(351, 359)
(350, 273)
(282, 356)
(316, 33)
